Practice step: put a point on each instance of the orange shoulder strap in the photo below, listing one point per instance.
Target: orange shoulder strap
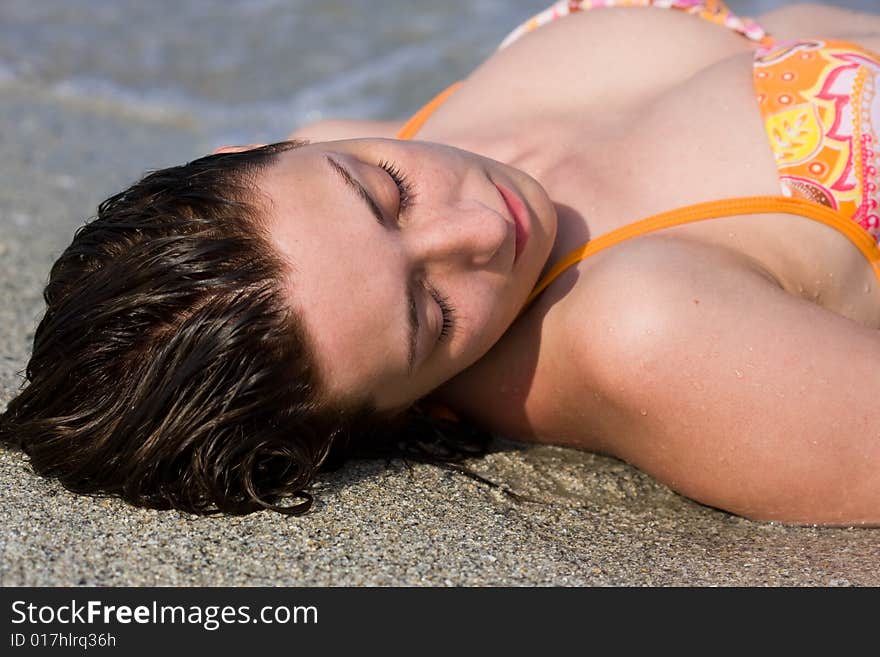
(411, 127)
(716, 209)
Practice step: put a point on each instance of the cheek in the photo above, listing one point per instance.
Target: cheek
(487, 315)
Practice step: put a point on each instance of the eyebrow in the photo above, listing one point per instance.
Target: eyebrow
(413, 315)
(352, 183)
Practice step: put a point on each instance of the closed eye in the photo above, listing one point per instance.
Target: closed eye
(447, 312)
(404, 187)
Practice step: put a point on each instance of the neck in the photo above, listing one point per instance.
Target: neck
(572, 230)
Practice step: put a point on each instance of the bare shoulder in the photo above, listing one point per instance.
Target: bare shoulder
(729, 389)
(654, 293)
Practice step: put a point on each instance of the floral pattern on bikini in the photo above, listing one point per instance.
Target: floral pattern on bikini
(821, 112)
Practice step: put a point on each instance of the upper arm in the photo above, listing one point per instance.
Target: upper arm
(333, 129)
(742, 396)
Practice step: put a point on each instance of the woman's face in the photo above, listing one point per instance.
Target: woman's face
(402, 291)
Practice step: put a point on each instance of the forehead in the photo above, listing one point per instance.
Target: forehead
(341, 279)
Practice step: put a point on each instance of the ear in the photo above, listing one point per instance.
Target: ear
(236, 149)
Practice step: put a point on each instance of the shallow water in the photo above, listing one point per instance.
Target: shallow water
(251, 70)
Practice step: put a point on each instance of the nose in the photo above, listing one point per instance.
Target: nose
(467, 233)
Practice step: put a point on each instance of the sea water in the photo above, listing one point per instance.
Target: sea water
(253, 70)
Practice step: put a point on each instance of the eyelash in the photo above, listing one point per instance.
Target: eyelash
(446, 311)
(403, 185)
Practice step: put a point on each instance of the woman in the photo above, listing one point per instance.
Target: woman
(221, 327)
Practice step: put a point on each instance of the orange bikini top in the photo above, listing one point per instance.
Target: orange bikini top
(697, 212)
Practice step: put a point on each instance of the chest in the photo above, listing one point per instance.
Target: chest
(692, 134)
(704, 140)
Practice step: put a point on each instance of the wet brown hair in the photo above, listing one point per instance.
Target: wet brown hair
(169, 370)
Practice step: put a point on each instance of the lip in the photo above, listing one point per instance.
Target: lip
(520, 215)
